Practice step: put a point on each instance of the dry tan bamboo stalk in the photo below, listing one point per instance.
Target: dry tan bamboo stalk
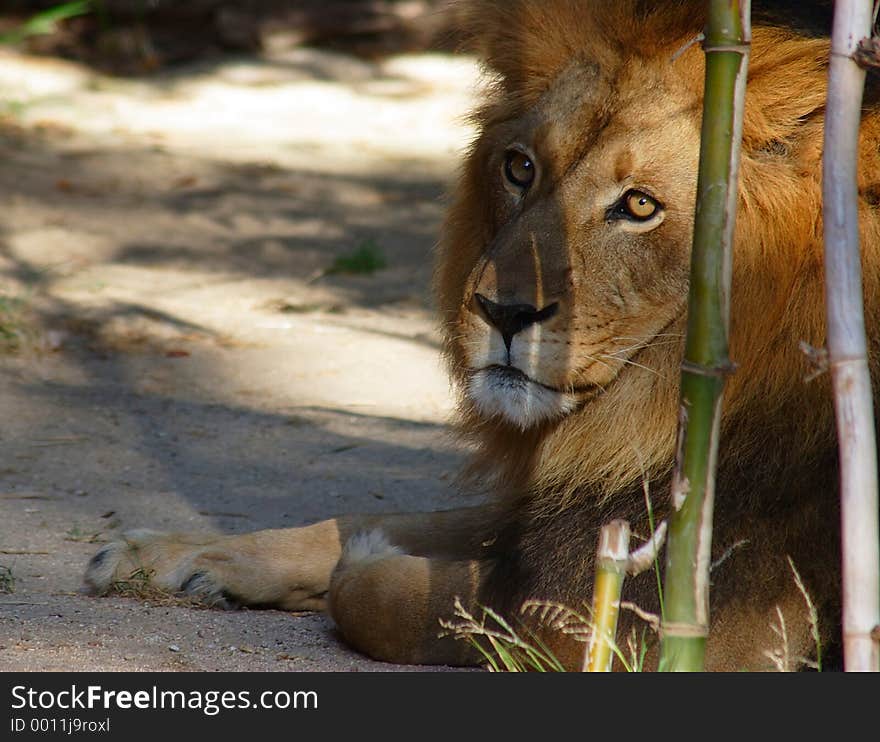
(847, 349)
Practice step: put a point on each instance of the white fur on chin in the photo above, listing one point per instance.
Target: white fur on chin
(516, 398)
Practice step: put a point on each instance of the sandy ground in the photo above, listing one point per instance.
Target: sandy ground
(187, 361)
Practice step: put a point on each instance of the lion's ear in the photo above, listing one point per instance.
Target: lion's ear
(786, 88)
(507, 36)
(526, 44)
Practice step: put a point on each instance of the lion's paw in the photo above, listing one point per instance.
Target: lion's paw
(145, 560)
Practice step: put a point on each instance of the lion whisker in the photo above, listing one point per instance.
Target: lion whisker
(633, 363)
(646, 345)
(594, 359)
(652, 335)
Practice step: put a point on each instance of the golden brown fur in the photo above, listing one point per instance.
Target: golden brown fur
(590, 92)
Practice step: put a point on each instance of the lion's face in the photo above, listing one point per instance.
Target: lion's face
(563, 265)
(582, 261)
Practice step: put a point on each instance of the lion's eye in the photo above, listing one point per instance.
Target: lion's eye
(635, 205)
(518, 168)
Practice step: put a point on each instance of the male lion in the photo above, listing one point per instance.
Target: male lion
(562, 281)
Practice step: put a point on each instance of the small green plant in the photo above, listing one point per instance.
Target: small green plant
(499, 643)
(657, 538)
(12, 330)
(46, 21)
(7, 580)
(12, 109)
(75, 533)
(366, 259)
(507, 650)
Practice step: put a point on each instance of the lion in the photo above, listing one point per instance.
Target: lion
(561, 281)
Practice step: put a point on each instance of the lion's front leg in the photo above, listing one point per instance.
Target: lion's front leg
(284, 568)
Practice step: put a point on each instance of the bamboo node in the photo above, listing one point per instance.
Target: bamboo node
(841, 361)
(719, 372)
(737, 48)
(683, 630)
(875, 634)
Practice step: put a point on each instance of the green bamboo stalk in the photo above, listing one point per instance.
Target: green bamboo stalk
(686, 583)
(612, 559)
(847, 347)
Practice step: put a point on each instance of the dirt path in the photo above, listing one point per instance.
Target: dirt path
(191, 364)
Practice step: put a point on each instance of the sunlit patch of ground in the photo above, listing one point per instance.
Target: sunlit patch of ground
(305, 108)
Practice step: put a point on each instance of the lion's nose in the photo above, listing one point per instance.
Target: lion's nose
(509, 319)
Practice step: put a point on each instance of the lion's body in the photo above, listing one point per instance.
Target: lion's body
(563, 305)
